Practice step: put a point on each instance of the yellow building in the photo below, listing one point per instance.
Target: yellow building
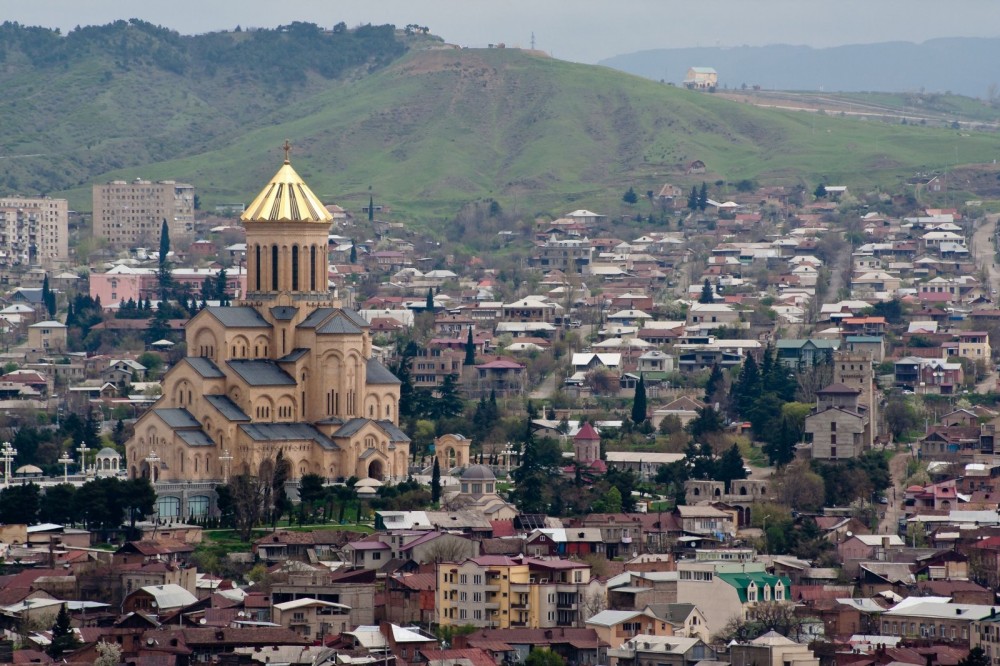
(501, 592)
(284, 369)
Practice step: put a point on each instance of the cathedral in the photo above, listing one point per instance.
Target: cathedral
(284, 369)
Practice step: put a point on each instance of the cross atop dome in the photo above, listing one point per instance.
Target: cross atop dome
(287, 147)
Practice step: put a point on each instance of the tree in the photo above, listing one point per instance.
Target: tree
(280, 503)
(692, 203)
(371, 208)
(715, 386)
(429, 305)
(900, 416)
(976, 657)
(703, 197)
(19, 504)
(708, 421)
(221, 293)
(109, 654)
(820, 191)
(748, 386)
(63, 638)
(707, 293)
(630, 197)
(436, 481)
(639, 401)
(449, 403)
(543, 657)
(245, 502)
(48, 297)
(470, 350)
(354, 253)
(801, 487)
(164, 276)
(138, 498)
(777, 616)
(611, 502)
(60, 505)
(730, 467)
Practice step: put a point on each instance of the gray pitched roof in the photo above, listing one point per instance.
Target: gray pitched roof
(352, 426)
(317, 317)
(376, 373)
(195, 438)
(229, 409)
(356, 424)
(238, 316)
(177, 418)
(339, 324)
(395, 434)
(293, 355)
(355, 317)
(284, 312)
(261, 372)
(280, 432)
(205, 367)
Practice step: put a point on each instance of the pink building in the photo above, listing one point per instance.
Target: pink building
(122, 283)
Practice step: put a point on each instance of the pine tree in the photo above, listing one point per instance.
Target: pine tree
(470, 350)
(730, 467)
(221, 292)
(436, 482)
(639, 401)
(748, 386)
(354, 253)
(716, 382)
(703, 197)
(63, 638)
(693, 198)
(707, 293)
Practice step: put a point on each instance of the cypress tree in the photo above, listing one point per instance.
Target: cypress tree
(693, 198)
(371, 208)
(436, 482)
(354, 253)
(639, 401)
(703, 197)
(164, 272)
(430, 299)
(470, 350)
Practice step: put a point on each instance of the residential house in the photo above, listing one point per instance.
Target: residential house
(312, 619)
(724, 590)
(837, 428)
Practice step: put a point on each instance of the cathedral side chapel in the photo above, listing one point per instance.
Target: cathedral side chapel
(286, 368)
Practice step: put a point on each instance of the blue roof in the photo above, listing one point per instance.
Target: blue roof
(261, 372)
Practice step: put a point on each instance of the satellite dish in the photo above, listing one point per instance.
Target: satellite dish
(849, 534)
(202, 621)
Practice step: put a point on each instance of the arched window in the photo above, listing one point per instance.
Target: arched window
(295, 268)
(274, 268)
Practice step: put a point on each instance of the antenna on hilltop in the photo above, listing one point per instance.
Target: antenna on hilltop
(532, 40)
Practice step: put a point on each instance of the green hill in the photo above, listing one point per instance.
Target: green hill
(427, 128)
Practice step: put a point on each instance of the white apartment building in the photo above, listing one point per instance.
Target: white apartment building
(131, 214)
(34, 231)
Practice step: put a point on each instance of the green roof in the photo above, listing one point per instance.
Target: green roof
(741, 581)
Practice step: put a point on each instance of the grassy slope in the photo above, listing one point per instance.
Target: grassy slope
(443, 127)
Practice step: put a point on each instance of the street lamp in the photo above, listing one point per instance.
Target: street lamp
(226, 458)
(153, 460)
(65, 460)
(82, 450)
(7, 454)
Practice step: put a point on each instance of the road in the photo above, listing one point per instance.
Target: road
(891, 513)
(985, 255)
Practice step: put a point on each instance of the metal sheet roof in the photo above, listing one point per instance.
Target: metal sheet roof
(177, 418)
(238, 317)
(205, 367)
(279, 432)
(195, 438)
(376, 373)
(261, 372)
(229, 409)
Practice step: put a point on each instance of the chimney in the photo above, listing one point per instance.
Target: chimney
(885, 543)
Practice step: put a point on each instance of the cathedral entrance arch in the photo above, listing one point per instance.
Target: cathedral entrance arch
(376, 470)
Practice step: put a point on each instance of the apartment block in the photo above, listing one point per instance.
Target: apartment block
(501, 592)
(33, 231)
(131, 214)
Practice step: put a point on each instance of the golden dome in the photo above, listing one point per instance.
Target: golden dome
(286, 199)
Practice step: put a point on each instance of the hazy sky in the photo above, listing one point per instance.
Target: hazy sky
(580, 30)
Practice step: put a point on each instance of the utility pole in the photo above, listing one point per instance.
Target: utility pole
(532, 40)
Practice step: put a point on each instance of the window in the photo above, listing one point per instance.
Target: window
(833, 426)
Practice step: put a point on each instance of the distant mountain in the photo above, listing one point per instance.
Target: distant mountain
(964, 66)
(424, 127)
